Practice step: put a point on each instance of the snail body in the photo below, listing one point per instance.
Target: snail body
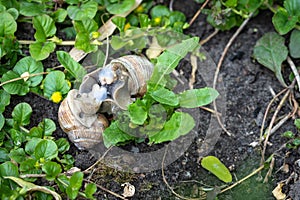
(104, 90)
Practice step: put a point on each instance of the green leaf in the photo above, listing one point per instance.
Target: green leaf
(30, 66)
(120, 7)
(86, 26)
(19, 87)
(41, 50)
(4, 100)
(292, 7)
(83, 42)
(59, 15)
(8, 25)
(297, 123)
(8, 169)
(2, 121)
(283, 23)
(165, 96)
(294, 44)
(296, 142)
(47, 126)
(17, 137)
(197, 97)
(17, 155)
(113, 135)
(46, 149)
(27, 187)
(170, 58)
(31, 8)
(14, 12)
(52, 169)
(231, 3)
(55, 82)
(144, 20)
(270, 51)
(215, 166)
(137, 113)
(90, 189)
(36, 132)
(31, 145)
(75, 185)
(21, 114)
(84, 11)
(4, 155)
(159, 11)
(62, 145)
(179, 124)
(45, 27)
(288, 134)
(119, 22)
(73, 67)
(176, 16)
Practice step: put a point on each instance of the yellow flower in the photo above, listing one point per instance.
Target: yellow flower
(139, 9)
(95, 35)
(127, 26)
(157, 20)
(69, 83)
(56, 97)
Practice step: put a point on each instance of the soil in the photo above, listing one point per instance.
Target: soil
(247, 88)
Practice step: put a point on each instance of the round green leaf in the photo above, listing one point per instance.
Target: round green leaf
(215, 166)
(294, 44)
(41, 50)
(8, 169)
(159, 11)
(17, 137)
(293, 7)
(45, 27)
(179, 124)
(31, 145)
(52, 169)
(46, 149)
(31, 8)
(36, 132)
(48, 126)
(4, 100)
(21, 113)
(30, 66)
(4, 155)
(177, 16)
(120, 7)
(84, 11)
(137, 114)
(59, 15)
(165, 96)
(62, 145)
(90, 189)
(8, 25)
(283, 23)
(14, 12)
(55, 82)
(18, 155)
(19, 87)
(75, 185)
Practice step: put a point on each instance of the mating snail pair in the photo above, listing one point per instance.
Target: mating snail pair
(105, 90)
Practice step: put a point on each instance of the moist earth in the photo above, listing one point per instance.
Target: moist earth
(247, 87)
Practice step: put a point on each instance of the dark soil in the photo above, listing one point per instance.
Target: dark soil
(247, 86)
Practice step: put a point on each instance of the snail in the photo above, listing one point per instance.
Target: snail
(103, 91)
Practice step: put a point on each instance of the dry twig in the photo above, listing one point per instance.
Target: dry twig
(220, 64)
(198, 12)
(202, 42)
(295, 71)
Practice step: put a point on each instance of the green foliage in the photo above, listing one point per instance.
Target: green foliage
(271, 51)
(216, 167)
(285, 19)
(294, 44)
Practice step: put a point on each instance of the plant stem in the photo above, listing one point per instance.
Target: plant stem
(243, 179)
(20, 78)
(64, 43)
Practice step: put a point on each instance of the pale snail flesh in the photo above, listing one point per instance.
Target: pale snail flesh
(105, 90)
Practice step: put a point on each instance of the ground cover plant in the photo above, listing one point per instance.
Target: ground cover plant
(36, 164)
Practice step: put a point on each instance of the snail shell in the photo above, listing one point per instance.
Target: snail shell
(104, 90)
(83, 135)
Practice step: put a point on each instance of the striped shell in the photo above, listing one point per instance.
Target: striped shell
(79, 113)
(82, 136)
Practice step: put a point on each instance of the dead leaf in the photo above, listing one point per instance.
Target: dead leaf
(129, 190)
(154, 49)
(277, 192)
